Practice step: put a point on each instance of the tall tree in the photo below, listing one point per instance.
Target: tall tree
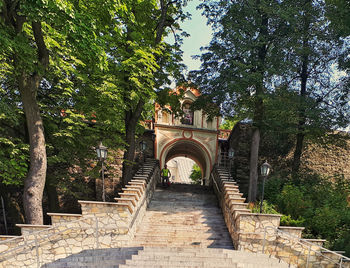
(314, 49)
(141, 61)
(241, 62)
(34, 37)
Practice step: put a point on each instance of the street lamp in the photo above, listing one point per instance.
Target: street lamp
(143, 147)
(102, 156)
(265, 171)
(231, 155)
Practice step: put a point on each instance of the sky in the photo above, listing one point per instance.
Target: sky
(200, 35)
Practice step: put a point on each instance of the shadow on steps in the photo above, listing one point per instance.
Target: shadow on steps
(97, 258)
(184, 215)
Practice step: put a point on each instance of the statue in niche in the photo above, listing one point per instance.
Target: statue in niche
(187, 118)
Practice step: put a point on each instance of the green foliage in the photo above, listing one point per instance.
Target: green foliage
(228, 123)
(196, 175)
(315, 202)
(287, 220)
(291, 200)
(267, 208)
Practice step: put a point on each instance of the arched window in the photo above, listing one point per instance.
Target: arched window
(187, 118)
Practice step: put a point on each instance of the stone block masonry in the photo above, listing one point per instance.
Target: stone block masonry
(101, 225)
(262, 233)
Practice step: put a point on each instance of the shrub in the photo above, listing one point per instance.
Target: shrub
(196, 175)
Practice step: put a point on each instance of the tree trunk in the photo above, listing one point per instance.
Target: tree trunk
(297, 154)
(258, 113)
(131, 120)
(302, 113)
(35, 181)
(132, 117)
(253, 165)
(52, 197)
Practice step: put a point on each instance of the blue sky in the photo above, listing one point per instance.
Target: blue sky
(200, 35)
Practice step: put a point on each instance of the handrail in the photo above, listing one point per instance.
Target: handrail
(308, 245)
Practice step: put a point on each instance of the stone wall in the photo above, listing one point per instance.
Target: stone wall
(239, 140)
(100, 225)
(262, 233)
(329, 160)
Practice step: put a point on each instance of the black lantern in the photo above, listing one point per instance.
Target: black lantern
(101, 152)
(143, 146)
(231, 153)
(265, 171)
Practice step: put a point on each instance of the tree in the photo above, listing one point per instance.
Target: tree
(313, 51)
(141, 61)
(35, 37)
(241, 62)
(196, 175)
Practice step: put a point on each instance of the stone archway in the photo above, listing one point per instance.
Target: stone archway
(189, 148)
(196, 137)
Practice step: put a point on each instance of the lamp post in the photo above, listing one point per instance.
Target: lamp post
(265, 171)
(102, 156)
(231, 155)
(143, 147)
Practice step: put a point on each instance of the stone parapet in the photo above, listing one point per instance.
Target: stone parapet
(30, 228)
(262, 233)
(101, 225)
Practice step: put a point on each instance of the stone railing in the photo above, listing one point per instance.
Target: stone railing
(255, 232)
(101, 225)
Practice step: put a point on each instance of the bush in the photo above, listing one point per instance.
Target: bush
(196, 175)
(267, 208)
(286, 220)
(319, 204)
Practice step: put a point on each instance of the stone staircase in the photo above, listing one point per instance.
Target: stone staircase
(183, 216)
(183, 227)
(168, 257)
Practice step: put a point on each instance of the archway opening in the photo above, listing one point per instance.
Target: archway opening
(188, 149)
(185, 170)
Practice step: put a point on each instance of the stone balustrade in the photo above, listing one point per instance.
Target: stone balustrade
(101, 225)
(256, 232)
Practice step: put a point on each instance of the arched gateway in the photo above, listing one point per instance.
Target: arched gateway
(193, 136)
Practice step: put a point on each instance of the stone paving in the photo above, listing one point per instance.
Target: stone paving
(183, 215)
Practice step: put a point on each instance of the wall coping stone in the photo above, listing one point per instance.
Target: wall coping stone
(97, 202)
(132, 190)
(238, 203)
(313, 240)
(291, 227)
(9, 236)
(260, 214)
(136, 184)
(336, 251)
(138, 181)
(243, 210)
(126, 205)
(129, 194)
(33, 225)
(236, 198)
(64, 214)
(126, 200)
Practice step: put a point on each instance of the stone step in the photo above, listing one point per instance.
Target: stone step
(181, 228)
(184, 238)
(204, 257)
